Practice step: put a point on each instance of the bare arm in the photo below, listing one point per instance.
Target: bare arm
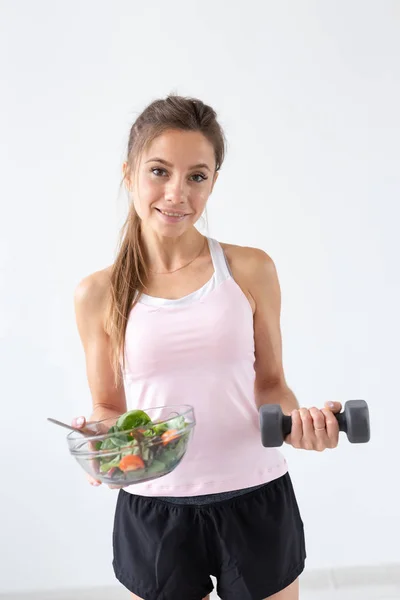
(270, 384)
(255, 273)
(90, 301)
(312, 429)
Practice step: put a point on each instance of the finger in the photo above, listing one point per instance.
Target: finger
(296, 433)
(93, 481)
(335, 407)
(332, 427)
(79, 422)
(320, 432)
(309, 440)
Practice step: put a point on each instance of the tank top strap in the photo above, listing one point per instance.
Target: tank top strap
(220, 263)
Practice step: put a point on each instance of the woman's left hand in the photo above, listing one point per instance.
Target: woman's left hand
(314, 429)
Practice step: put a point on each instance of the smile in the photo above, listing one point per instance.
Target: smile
(171, 214)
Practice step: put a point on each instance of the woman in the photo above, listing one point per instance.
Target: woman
(181, 318)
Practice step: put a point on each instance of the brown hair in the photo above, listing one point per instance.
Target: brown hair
(129, 271)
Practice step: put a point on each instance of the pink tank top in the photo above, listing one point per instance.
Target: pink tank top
(199, 350)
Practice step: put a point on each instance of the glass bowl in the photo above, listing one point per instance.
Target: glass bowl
(121, 456)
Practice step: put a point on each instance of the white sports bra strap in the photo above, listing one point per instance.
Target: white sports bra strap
(221, 268)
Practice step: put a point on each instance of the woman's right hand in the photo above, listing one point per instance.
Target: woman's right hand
(81, 423)
(97, 428)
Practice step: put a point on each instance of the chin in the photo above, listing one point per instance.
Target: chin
(170, 228)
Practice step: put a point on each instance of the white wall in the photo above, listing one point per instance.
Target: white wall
(309, 94)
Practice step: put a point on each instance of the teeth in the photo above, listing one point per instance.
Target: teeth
(170, 214)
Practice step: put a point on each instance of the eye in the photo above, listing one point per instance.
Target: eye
(202, 177)
(196, 177)
(158, 172)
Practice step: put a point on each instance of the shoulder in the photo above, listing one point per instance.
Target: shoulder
(92, 292)
(254, 263)
(255, 273)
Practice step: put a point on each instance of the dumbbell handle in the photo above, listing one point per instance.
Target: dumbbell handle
(287, 423)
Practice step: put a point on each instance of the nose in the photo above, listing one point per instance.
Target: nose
(176, 192)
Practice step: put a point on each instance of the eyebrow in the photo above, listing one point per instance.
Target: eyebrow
(168, 164)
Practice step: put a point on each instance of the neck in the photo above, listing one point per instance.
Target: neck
(165, 254)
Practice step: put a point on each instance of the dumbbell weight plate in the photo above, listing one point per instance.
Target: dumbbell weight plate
(271, 424)
(357, 421)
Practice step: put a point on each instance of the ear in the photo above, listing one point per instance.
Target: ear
(126, 176)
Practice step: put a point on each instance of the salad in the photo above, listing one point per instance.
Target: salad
(138, 449)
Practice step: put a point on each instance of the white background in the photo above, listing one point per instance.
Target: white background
(309, 94)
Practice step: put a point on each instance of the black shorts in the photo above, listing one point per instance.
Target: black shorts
(252, 544)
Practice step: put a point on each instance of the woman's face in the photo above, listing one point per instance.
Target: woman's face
(175, 177)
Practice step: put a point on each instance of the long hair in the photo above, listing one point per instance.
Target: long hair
(129, 272)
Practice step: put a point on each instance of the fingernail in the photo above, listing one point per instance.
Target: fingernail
(331, 404)
(80, 421)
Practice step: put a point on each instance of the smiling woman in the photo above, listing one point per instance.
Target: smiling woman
(181, 318)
